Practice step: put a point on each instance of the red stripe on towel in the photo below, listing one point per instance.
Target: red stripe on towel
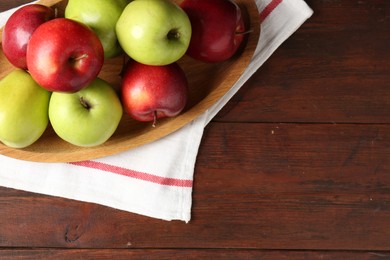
(135, 174)
(268, 9)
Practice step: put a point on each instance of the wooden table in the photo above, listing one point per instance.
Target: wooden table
(296, 166)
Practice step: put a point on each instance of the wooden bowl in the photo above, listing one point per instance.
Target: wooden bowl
(207, 82)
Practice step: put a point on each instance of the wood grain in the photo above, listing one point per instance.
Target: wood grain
(300, 186)
(5, 5)
(188, 254)
(207, 84)
(342, 63)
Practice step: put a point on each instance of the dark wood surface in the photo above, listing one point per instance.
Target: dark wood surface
(296, 166)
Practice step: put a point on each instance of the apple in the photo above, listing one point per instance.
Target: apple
(88, 117)
(154, 32)
(18, 30)
(101, 17)
(217, 29)
(64, 55)
(23, 109)
(152, 92)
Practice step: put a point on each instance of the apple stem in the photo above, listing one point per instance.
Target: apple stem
(80, 57)
(245, 32)
(173, 34)
(154, 118)
(84, 103)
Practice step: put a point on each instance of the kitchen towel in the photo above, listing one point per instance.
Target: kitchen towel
(156, 179)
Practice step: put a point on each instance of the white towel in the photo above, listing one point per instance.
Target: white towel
(156, 179)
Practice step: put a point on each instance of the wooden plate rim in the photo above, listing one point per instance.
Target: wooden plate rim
(164, 128)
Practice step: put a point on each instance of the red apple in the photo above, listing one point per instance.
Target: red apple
(64, 55)
(217, 29)
(18, 30)
(152, 92)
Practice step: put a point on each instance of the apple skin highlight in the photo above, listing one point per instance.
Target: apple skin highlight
(152, 92)
(18, 30)
(64, 64)
(217, 29)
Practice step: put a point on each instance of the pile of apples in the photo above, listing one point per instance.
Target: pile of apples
(57, 61)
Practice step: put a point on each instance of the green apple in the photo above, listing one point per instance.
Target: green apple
(88, 117)
(23, 109)
(154, 32)
(101, 16)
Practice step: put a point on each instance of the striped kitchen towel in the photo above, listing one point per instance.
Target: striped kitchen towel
(154, 180)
